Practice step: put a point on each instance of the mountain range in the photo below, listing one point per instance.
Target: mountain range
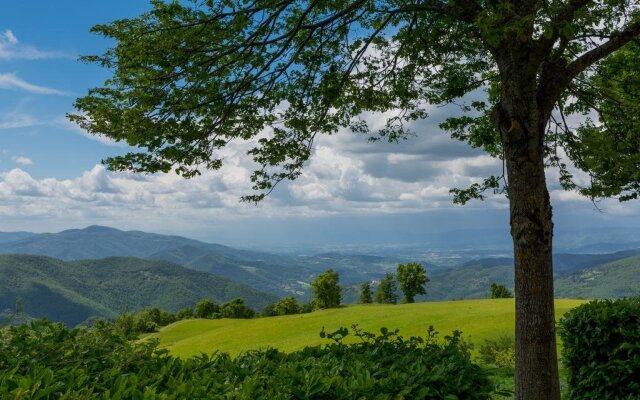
(100, 271)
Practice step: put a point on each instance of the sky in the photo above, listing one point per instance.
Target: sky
(352, 191)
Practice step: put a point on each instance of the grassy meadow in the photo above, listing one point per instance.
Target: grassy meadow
(477, 319)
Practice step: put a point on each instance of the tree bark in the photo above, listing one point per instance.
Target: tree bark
(522, 131)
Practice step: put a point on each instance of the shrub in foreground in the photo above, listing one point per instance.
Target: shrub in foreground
(601, 349)
(48, 361)
(500, 352)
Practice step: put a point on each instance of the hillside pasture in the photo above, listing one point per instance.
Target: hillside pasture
(477, 319)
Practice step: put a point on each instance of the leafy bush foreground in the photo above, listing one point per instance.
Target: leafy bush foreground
(602, 349)
(45, 360)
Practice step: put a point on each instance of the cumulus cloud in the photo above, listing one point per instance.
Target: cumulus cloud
(12, 49)
(22, 160)
(345, 176)
(12, 82)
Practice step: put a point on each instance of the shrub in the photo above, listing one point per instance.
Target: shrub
(601, 349)
(236, 309)
(286, 306)
(306, 308)
(500, 292)
(185, 313)
(48, 361)
(206, 308)
(500, 352)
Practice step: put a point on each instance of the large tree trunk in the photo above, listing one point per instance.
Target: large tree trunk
(532, 231)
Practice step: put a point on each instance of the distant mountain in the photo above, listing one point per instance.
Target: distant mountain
(282, 275)
(6, 237)
(616, 279)
(73, 291)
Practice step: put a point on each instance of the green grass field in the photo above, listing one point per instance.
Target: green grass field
(477, 319)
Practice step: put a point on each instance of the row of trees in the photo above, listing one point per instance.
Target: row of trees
(411, 279)
(149, 320)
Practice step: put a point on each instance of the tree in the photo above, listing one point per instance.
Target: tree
(184, 313)
(412, 278)
(236, 309)
(387, 290)
(500, 292)
(286, 306)
(189, 77)
(326, 290)
(365, 293)
(206, 308)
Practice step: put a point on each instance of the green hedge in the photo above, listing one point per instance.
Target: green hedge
(602, 349)
(48, 361)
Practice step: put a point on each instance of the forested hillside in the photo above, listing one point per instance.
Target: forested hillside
(74, 291)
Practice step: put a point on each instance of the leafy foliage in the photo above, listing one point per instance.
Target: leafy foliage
(387, 290)
(326, 290)
(602, 349)
(236, 309)
(500, 291)
(500, 352)
(412, 277)
(206, 308)
(48, 361)
(287, 306)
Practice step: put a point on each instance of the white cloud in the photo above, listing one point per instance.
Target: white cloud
(22, 160)
(12, 81)
(12, 49)
(10, 37)
(17, 119)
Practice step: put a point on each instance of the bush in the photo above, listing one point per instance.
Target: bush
(286, 306)
(185, 313)
(601, 349)
(206, 309)
(48, 361)
(500, 352)
(236, 309)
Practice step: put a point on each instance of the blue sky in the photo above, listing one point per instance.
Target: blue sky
(51, 178)
(42, 41)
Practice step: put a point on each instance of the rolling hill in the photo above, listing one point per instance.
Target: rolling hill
(477, 319)
(286, 275)
(71, 292)
(616, 279)
(281, 275)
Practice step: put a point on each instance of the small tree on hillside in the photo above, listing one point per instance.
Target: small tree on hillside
(365, 293)
(206, 308)
(326, 290)
(236, 309)
(412, 278)
(500, 292)
(387, 291)
(286, 306)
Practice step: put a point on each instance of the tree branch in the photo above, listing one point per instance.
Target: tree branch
(594, 55)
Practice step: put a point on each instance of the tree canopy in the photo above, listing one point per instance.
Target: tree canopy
(190, 77)
(387, 290)
(412, 277)
(326, 289)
